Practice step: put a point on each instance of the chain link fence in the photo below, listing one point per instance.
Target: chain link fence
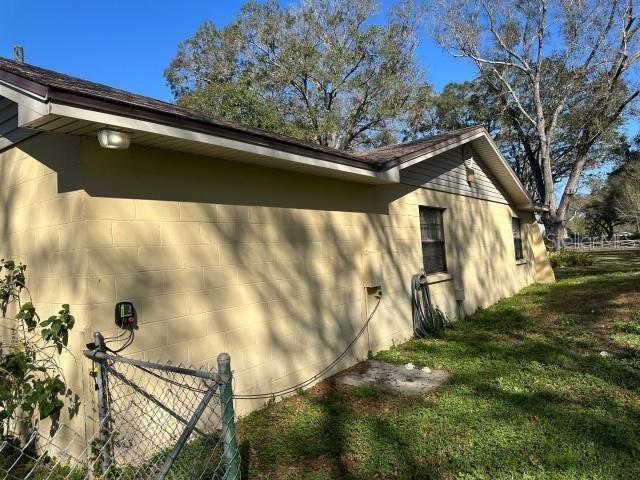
(153, 421)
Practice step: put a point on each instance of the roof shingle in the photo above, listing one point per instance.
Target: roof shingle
(402, 152)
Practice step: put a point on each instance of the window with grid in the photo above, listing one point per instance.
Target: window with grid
(432, 232)
(517, 237)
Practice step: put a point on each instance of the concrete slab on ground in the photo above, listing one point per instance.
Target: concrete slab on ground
(398, 378)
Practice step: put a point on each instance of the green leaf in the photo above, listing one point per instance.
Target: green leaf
(27, 380)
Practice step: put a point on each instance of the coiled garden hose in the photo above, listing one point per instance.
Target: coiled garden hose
(428, 320)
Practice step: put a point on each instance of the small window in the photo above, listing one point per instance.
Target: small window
(432, 232)
(517, 237)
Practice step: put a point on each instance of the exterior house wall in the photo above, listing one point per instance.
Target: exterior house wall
(10, 132)
(221, 256)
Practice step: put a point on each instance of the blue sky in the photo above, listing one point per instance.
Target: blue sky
(128, 44)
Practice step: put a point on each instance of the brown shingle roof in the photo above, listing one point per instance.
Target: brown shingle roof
(73, 90)
(60, 86)
(402, 152)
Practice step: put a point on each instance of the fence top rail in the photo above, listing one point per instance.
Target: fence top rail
(98, 355)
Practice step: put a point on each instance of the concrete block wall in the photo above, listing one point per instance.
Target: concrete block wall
(279, 289)
(222, 256)
(479, 250)
(41, 227)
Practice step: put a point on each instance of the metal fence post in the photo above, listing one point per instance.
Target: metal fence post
(229, 440)
(103, 406)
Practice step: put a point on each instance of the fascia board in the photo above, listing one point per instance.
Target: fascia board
(24, 98)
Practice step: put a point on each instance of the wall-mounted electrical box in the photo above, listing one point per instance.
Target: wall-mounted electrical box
(126, 316)
(371, 269)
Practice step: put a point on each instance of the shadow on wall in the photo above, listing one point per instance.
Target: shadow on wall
(34, 214)
(262, 263)
(287, 285)
(155, 174)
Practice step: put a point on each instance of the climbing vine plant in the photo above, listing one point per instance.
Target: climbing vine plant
(32, 383)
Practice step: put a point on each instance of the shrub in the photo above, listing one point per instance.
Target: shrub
(32, 384)
(570, 259)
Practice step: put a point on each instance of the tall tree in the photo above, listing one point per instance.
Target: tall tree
(628, 202)
(322, 70)
(565, 71)
(615, 200)
(475, 102)
(601, 214)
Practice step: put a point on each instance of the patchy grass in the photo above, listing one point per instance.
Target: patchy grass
(530, 396)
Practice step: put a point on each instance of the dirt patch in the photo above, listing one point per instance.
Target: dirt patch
(394, 378)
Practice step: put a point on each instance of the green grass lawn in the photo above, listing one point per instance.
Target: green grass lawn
(530, 396)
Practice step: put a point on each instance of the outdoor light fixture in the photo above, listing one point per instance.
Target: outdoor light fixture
(114, 139)
(468, 166)
(471, 174)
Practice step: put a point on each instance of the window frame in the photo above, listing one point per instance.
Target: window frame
(440, 242)
(518, 246)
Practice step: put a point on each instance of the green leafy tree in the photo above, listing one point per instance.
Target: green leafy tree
(32, 384)
(565, 73)
(458, 105)
(238, 102)
(601, 214)
(321, 70)
(475, 102)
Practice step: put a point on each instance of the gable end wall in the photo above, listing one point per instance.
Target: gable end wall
(447, 172)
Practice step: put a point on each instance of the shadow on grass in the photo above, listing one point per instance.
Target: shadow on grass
(530, 396)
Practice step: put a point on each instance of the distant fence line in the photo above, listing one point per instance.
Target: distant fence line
(601, 244)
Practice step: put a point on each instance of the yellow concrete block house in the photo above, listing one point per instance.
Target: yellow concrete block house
(229, 238)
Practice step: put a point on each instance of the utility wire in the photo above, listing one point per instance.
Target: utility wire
(126, 344)
(256, 396)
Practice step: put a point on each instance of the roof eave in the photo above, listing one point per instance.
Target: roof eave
(296, 159)
(442, 146)
(65, 98)
(49, 98)
(436, 149)
(36, 110)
